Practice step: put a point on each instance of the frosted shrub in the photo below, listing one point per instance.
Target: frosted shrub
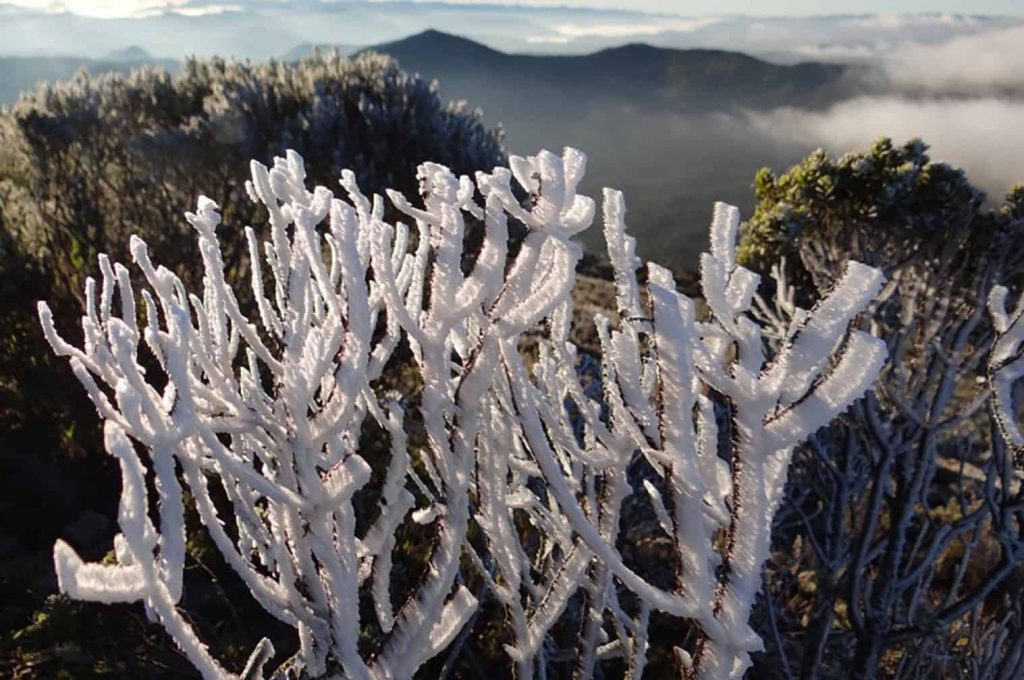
(1006, 368)
(899, 545)
(907, 510)
(515, 470)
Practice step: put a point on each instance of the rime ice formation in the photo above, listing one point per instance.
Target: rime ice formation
(268, 407)
(1006, 368)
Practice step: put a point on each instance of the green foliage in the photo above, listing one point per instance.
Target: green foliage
(878, 206)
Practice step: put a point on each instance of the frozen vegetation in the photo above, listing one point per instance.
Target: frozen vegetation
(253, 406)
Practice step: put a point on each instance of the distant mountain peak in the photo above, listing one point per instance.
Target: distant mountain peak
(130, 53)
(433, 39)
(634, 47)
(434, 34)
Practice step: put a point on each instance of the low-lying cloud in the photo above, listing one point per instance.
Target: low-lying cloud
(985, 136)
(976, 64)
(672, 166)
(963, 95)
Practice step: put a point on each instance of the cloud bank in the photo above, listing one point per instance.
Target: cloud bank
(976, 64)
(846, 38)
(985, 136)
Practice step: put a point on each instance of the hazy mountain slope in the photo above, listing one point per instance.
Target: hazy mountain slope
(260, 29)
(696, 80)
(656, 123)
(20, 74)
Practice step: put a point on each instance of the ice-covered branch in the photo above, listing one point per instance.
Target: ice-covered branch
(1006, 368)
(506, 458)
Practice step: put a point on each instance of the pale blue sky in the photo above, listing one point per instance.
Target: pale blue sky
(788, 7)
(681, 7)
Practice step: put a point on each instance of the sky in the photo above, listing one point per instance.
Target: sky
(787, 7)
(121, 8)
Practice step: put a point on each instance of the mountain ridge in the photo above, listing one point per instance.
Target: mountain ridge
(689, 79)
(674, 77)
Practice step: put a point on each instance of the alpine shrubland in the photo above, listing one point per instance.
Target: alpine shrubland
(416, 445)
(900, 546)
(87, 163)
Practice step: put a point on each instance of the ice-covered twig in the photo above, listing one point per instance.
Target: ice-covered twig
(503, 459)
(1006, 368)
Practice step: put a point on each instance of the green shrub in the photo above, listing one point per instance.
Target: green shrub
(880, 206)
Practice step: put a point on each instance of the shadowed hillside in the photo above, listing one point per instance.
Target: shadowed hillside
(692, 80)
(664, 125)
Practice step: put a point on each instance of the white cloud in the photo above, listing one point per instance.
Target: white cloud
(548, 39)
(967, 64)
(902, 22)
(985, 136)
(207, 10)
(104, 9)
(621, 30)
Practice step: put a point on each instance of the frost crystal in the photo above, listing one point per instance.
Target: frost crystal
(263, 398)
(1006, 369)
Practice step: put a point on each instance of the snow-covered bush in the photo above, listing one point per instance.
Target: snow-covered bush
(86, 163)
(1006, 368)
(901, 538)
(902, 531)
(513, 468)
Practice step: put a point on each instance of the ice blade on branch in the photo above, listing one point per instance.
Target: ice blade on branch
(1006, 368)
